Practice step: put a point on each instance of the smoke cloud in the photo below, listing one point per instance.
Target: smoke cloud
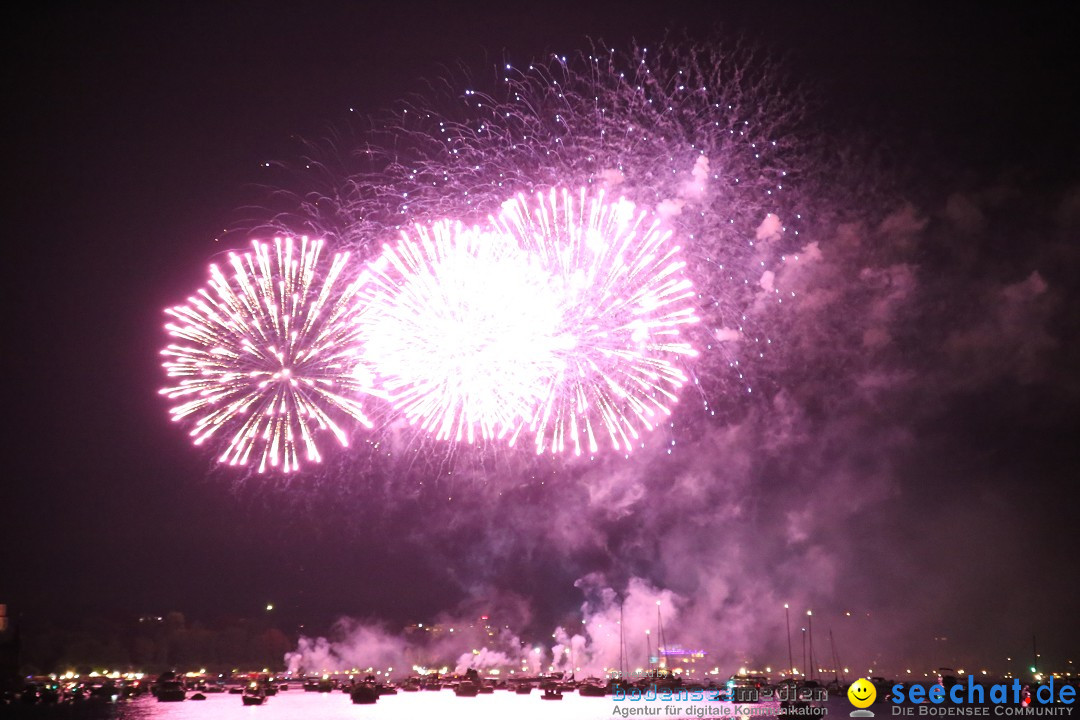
(839, 485)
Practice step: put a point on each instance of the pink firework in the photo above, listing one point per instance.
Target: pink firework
(625, 301)
(562, 321)
(462, 331)
(265, 357)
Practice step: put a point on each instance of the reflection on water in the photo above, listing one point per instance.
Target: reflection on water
(331, 706)
(441, 705)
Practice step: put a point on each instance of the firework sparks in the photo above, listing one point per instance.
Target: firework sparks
(462, 332)
(563, 319)
(709, 138)
(266, 356)
(485, 334)
(625, 300)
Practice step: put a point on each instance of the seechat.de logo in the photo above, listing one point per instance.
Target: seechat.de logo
(862, 694)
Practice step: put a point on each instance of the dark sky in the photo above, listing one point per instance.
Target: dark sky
(134, 131)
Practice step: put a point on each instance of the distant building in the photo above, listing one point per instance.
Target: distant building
(470, 629)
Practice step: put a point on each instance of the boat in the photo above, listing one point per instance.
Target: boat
(254, 694)
(523, 689)
(170, 691)
(364, 694)
(588, 689)
(467, 689)
(551, 694)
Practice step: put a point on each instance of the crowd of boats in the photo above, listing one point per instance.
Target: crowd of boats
(257, 688)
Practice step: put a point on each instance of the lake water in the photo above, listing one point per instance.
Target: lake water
(427, 705)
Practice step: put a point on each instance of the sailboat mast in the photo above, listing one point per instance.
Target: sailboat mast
(836, 660)
(622, 644)
(787, 623)
(660, 641)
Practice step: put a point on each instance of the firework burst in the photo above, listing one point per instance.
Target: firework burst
(265, 357)
(709, 138)
(625, 300)
(462, 331)
(480, 338)
(561, 320)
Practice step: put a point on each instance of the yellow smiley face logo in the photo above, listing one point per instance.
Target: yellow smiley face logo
(862, 693)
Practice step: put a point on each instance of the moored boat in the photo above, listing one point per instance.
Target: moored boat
(254, 694)
(364, 694)
(170, 691)
(588, 689)
(467, 689)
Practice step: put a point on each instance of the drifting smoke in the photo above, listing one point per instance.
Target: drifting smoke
(838, 490)
(454, 642)
(813, 460)
(594, 646)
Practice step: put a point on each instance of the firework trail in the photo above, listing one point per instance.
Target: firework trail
(266, 357)
(561, 318)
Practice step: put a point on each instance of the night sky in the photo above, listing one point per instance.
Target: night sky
(135, 134)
